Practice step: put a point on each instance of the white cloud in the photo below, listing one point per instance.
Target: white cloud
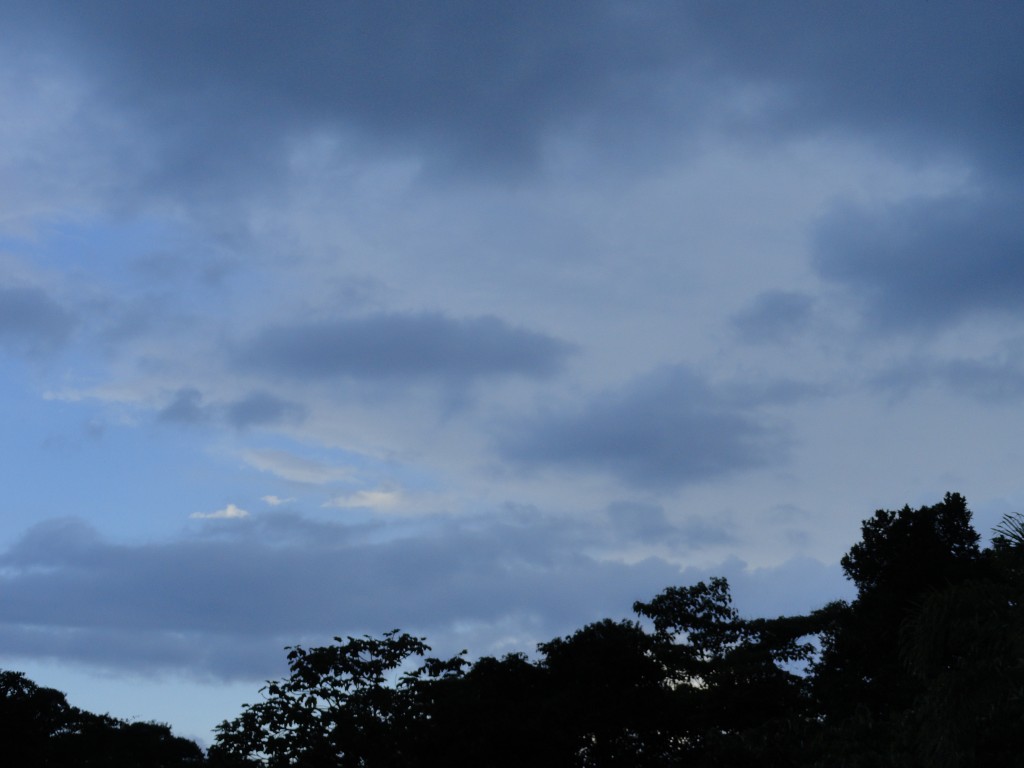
(295, 468)
(275, 501)
(365, 499)
(229, 512)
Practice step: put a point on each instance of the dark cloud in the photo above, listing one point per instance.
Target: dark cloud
(668, 429)
(926, 78)
(395, 346)
(260, 409)
(480, 84)
(773, 317)
(66, 592)
(253, 410)
(32, 322)
(223, 603)
(749, 393)
(145, 653)
(648, 523)
(989, 381)
(474, 81)
(640, 522)
(186, 407)
(928, 264)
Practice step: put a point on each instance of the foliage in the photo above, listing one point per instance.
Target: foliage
(349, 704)
(965, 644)
(902, 558)
(924, 667)
(39, 728)
(703, 685)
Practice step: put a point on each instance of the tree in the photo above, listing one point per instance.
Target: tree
(863, 685)
(925, 667)
(608, 696)
(907, 552)
(39, 728)
(497, 714)
(965, 645)
(349, 704)
(737, 695)
(32, 719)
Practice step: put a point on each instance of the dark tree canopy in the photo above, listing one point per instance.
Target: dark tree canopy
(925, 667)
(907, 552)
(38, 728)
(903, 557)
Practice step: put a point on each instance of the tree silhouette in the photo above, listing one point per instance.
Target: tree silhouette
(738, 695)
(965, 644)
(865, 689)
(925, 667)
(348, 704)
(608, 694)
(39, 728)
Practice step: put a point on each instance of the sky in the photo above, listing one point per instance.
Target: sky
(483, 320)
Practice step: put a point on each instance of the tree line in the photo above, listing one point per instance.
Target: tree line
(40, 729)
(924, 667)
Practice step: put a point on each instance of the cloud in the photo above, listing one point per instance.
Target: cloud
(255, 409)
(261, 408)
(31, 321)
(773, 317)
(275, 501)
(380, 499)
(665, 430)
(637, 521)
(999, 379)
(648, 524)
(220, 96)
(364, 142)
(298, 469)
(403, 347)
(928, 263)
(230, 512)
(186, 407)
(219, 90)
(924, 83)
(222, 605)
(262, 589)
